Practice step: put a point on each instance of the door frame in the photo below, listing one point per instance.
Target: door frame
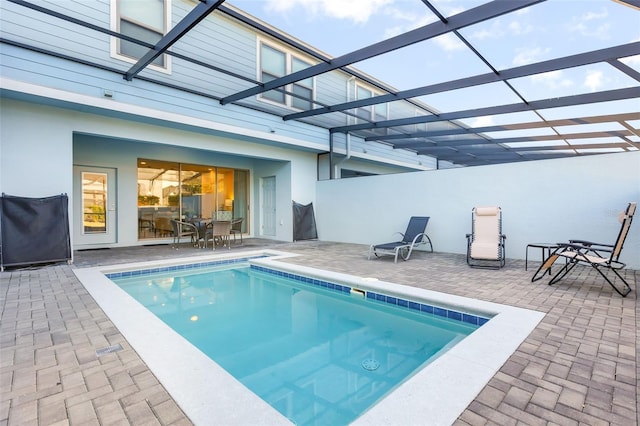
(80, 237)
(268, 206)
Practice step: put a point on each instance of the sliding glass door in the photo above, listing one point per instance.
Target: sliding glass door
(169, 190)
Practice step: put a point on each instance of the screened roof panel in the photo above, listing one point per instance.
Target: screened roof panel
(506, 70)
(632, 61)
(487, 95)
(574, 81)
(601, 108)
(542, 131)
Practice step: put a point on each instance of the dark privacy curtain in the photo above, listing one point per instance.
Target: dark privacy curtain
(34, 230)
(304, 222)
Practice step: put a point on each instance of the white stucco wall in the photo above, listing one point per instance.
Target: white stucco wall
(36, 150)
(37, 158)
(542, 201)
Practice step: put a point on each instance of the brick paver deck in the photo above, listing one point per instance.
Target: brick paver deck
(580, 366)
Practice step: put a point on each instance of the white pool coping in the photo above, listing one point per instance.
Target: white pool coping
(209, 395)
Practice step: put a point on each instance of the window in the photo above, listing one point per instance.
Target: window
(365, 114)
(144, 20)
(303, 88)
(169, 190)
(94, 203)
(275, 63)
(377, 112)
(420, 127)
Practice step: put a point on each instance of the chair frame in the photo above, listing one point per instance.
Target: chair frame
(179, 232)
(599, 256)
(501, 255)
(236, 228)
(219, 229)
(409, 241)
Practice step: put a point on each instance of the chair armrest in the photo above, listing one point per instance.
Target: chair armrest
(188, 225)
(588, 243)
(586, 248)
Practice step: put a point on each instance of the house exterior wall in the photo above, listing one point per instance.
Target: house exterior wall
(542, 201)
(41, 144)
(35, 150)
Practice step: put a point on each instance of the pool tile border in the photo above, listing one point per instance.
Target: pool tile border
(424, 308)
(313, 281)
(181, 267)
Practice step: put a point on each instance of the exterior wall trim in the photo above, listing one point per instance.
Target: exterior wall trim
(109, 104)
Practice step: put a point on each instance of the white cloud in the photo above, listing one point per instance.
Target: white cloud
(594, 80)
(553, 80)
(482, 34)
(499, 29)
(592, 24)
(358, 11)
(487, 120)
(449, 42)
(526, 56)
(408, 21)
(632, 61)
(496, 30)
(518, 28)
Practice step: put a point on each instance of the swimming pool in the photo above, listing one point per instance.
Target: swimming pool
(317, 351)
(206, 392)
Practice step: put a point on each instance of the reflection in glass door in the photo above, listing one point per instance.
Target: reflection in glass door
(169, 190)
(94, 203)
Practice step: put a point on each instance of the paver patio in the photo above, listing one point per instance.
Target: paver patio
(579, 366)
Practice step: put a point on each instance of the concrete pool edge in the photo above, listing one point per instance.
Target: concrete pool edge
(206, 392)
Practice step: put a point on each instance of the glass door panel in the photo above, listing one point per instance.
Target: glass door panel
(198, 191)
(224, 194)
(168, 190)
(158, 198)
(94, 203)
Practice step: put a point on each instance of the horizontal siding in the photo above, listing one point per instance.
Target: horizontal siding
(218, 40)
(60, 74)
(36, 29)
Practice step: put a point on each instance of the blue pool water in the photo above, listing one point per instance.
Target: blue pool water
(312, 350)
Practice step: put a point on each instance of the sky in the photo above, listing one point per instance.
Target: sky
(548, 30)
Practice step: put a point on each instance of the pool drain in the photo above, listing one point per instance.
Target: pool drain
(370, 364)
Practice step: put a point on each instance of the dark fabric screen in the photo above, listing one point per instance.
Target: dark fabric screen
(34, 230)
(304, 222)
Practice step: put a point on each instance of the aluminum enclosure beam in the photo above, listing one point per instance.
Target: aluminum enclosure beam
(469, 17)
(602, 55)
(588, 98)
(617, 118)
(197, 14)
(539, 138)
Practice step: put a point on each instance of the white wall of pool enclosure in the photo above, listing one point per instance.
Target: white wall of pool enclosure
(542, 201)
